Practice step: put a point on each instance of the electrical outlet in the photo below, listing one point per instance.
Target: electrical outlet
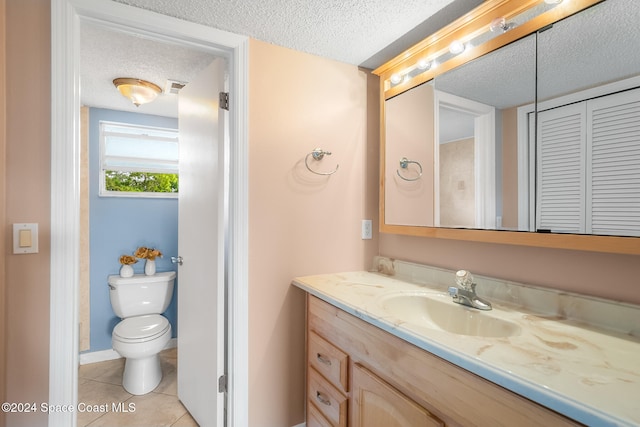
(367, 229)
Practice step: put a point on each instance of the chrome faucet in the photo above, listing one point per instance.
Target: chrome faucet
(465, 293)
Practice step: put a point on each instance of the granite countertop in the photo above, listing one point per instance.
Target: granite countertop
(586, 372)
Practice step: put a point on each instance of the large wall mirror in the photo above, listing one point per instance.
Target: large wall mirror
(537, 133)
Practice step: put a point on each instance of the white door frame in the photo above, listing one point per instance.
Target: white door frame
(485, 158)
(65, 189)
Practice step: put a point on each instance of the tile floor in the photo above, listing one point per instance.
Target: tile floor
(100, 387)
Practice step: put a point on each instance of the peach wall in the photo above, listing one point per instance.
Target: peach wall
(457, 187)
(409, 133)
(27, 200)
(510, 168)
(590, 273)
(300, 223)
(3, 234)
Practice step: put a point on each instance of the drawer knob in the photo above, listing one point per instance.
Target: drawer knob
(322, 399)
(323, 359)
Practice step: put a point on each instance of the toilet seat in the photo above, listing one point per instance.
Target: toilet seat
(140, 329)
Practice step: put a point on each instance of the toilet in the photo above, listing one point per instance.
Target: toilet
(143, 332)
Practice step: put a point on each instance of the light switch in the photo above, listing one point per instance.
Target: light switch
(25, 238)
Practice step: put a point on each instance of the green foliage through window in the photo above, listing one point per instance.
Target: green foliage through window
(137, 160)
(145, 182)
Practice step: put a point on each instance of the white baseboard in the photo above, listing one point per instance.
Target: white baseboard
(111, 354)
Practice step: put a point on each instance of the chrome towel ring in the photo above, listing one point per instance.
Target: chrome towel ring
(318, 154)
(404, 164)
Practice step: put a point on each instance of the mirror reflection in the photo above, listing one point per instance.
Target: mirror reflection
(477, 132)
(588, 134)
(546, 142)
(409, 123)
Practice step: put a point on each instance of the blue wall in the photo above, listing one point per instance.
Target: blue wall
(119, 225)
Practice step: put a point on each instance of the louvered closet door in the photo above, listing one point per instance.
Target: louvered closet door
(613, 156)
(560, 204)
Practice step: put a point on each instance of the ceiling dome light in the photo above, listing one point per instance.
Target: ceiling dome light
(137, 91)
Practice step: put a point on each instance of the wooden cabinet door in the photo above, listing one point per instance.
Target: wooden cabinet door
(377, 404)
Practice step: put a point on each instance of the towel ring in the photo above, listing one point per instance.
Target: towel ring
(318, 154)
(404, 164)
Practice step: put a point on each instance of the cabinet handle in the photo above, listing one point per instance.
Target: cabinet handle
(322, 359)
(320, 398)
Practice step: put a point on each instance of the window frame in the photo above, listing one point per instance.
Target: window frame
(102, 190)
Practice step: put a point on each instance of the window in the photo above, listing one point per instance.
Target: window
(138, 161)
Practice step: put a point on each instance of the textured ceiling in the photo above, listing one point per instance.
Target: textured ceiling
(349, 31)
(598, 45)
(360, 32)
(106, 55)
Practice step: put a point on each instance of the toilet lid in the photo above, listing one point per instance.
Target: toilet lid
(141, 327)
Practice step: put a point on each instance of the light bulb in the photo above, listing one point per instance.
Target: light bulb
(553, 1)
(396, 78)
(498, 25)
(456, 47)
(423, 64)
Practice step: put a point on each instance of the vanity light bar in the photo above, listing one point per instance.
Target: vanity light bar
(474, 29)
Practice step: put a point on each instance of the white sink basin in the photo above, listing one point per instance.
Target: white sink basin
(437, 311)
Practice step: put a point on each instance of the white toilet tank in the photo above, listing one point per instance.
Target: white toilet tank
(141, 294)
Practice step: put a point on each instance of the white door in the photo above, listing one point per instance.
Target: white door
(560, 170)
(203, 180)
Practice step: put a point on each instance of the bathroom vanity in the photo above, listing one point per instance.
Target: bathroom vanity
(538, 358)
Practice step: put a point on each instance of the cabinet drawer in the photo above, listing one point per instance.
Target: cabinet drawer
(315, 417)
(329, 361)
(328, 399)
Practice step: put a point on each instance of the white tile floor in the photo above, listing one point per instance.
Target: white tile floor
(100, 387)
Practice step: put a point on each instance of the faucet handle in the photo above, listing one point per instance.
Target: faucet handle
(464, 279)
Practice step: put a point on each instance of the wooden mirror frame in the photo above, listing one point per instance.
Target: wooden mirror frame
(474, 23)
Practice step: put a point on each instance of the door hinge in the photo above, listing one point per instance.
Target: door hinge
(222, 384)
(224, 100)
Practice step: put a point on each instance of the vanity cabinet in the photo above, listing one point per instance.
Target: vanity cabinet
(362, 376)
(327, 383)
(377, 404)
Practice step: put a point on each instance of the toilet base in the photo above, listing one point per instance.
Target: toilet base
(143, 375)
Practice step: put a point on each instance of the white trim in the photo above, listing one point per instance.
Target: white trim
(65, 187)
(485, 169)
(111, 354)
(524, 156)
(65, 212)
(485, 158)
(99, 356)
(436, 158)
(593, 92)
(238, 303)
